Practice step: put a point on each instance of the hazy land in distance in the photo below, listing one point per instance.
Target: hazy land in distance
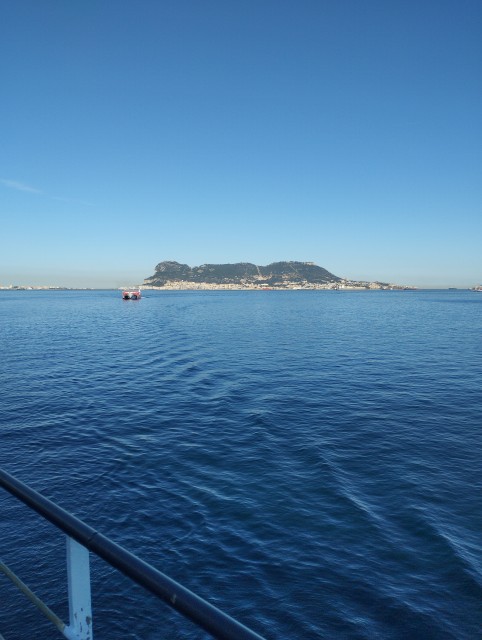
(284, 275)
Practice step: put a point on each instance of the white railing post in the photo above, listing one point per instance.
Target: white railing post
(78, 578)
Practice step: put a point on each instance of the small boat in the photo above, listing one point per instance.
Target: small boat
(131, 294)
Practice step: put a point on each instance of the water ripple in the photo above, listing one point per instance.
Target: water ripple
(309, 462)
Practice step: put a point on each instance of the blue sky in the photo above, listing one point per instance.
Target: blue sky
(344, 132)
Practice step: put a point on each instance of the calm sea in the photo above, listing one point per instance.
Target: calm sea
(309, 462)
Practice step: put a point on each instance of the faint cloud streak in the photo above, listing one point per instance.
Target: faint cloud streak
(73, 201)
(19, 186)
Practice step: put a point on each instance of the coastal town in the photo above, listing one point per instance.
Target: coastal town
(185, 285)
(20, 287)
(175, 285)
(343, 285)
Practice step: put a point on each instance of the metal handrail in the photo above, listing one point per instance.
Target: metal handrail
(205, 615)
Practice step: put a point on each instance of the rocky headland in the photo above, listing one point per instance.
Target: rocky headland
(245, 275)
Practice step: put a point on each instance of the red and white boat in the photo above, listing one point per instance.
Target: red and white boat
(131, 294)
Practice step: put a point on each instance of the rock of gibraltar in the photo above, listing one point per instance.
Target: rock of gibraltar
(245, 275)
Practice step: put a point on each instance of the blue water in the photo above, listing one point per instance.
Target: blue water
(310, 462)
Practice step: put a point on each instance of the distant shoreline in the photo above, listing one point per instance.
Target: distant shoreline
(232, 288)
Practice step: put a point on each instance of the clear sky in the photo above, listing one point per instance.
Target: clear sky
(344, 132)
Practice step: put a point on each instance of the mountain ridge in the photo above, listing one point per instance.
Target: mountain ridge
(276, 274)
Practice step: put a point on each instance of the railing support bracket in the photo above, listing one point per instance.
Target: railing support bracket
(78, 578)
